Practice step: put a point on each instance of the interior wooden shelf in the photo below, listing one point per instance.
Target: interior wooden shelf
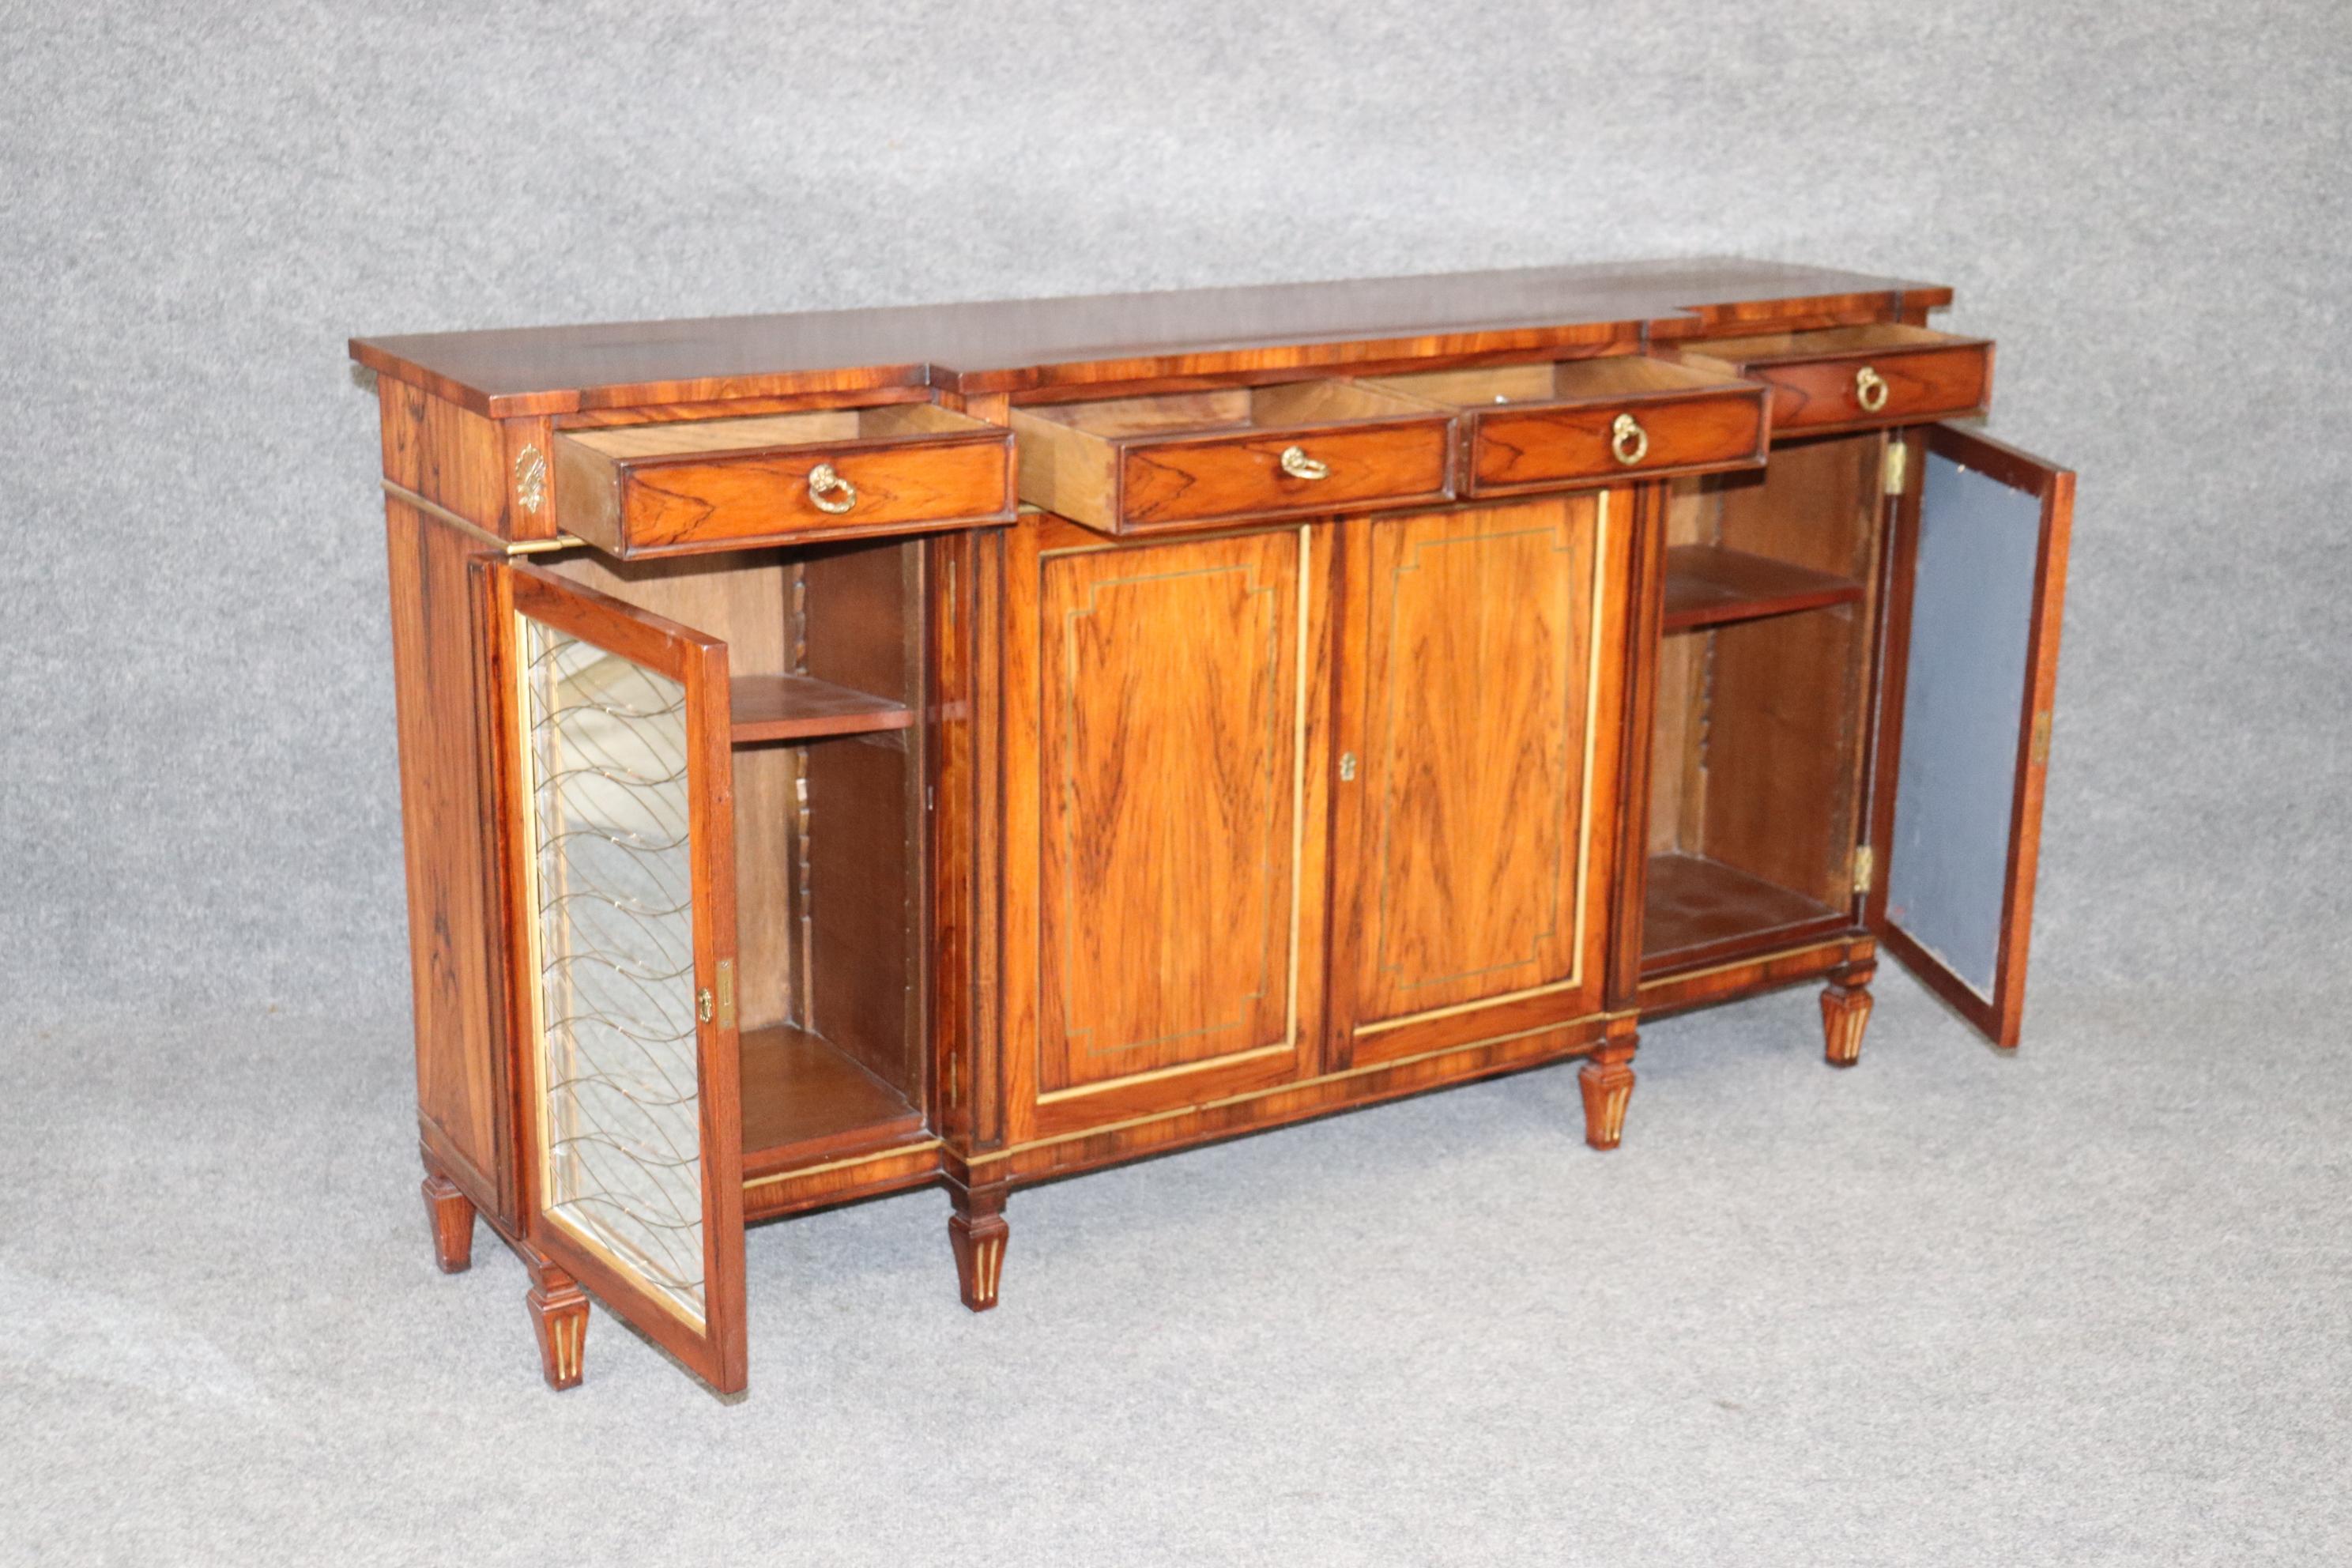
(802, 708)
(1695, 903)
(1708, 586)
(803, 1098)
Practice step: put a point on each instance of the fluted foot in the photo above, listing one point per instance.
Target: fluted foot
(559, 1314)
(1845, 1012)
(978, 1231)
(452, 1216)
(1607, 1079)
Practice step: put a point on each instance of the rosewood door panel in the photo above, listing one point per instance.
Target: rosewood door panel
(1167, 798)
(1480, 723)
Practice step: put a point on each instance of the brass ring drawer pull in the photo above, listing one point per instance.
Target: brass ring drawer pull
(1628, 442)
(1869, 390)
(824, 482)
(1299, 466)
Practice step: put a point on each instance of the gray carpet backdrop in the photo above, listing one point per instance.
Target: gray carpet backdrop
(2087, 1305)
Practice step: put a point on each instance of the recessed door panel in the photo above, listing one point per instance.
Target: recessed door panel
(1170, 770)
(1469, 788)
(1174, 921)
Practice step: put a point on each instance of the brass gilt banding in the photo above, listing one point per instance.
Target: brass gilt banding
(1869, 390)
(1628, 442)
(829, 493)
(1299, 466)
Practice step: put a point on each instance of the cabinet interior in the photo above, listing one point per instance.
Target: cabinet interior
(1615, 375)
(825, 664)
(1763, 683)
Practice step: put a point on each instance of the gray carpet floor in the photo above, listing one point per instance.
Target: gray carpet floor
(2087, 1305)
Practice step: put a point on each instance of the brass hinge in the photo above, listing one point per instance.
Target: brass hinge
(2039, 750)
(1865, 865)
(1347, 767)
(1897, 471)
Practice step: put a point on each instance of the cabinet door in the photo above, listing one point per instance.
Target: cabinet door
(632, 1121)
(1163, 714)
(1977, 579)
(1480, 731)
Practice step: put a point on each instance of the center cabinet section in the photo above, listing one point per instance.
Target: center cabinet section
(1399, 735)
(1172, 700)
(1479, 737)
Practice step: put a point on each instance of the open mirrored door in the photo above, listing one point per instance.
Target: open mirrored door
(633, 1130)
(1978, 578)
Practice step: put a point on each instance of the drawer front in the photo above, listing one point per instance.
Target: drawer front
(1186, 483)
(1515, 449)
(1866, 387)
(769, 497)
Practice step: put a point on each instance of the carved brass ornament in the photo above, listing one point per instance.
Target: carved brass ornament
(1299, 466)
(1628, 442)
(1869, 390)
(530, 479)
(829, 493)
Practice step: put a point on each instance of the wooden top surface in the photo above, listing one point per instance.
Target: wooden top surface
(1015, 346)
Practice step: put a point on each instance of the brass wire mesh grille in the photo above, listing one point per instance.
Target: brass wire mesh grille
(620, 1102)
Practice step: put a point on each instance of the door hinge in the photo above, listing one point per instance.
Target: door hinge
(2038, 750)
(1897, 474)
(1347, 767)
(1865, 865)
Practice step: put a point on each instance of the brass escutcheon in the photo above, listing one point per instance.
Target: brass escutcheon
(1869, 390)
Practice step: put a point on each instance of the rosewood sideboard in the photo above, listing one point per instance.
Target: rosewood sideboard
(963, 746)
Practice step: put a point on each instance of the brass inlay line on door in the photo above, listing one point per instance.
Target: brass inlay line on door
(1584, 826)
(1298, 829)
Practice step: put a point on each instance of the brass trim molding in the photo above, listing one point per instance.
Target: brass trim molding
(434, 509)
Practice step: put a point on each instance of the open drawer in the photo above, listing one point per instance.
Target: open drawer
(659, 489)
(1853, 378)
(1198, 459)
(1540, 426)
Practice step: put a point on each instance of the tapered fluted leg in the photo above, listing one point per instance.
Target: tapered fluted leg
(978, 1231)
(1607, 1079)
(1845, 1012)
(559, 1314)
(452, 1214)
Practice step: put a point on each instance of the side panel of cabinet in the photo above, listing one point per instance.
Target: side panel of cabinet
(448, 835)
(1164, 810)
(1481, 745)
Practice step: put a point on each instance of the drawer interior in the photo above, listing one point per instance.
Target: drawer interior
(1226, 410)
(764, 432)
(1615, 378)
(1825, 342)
